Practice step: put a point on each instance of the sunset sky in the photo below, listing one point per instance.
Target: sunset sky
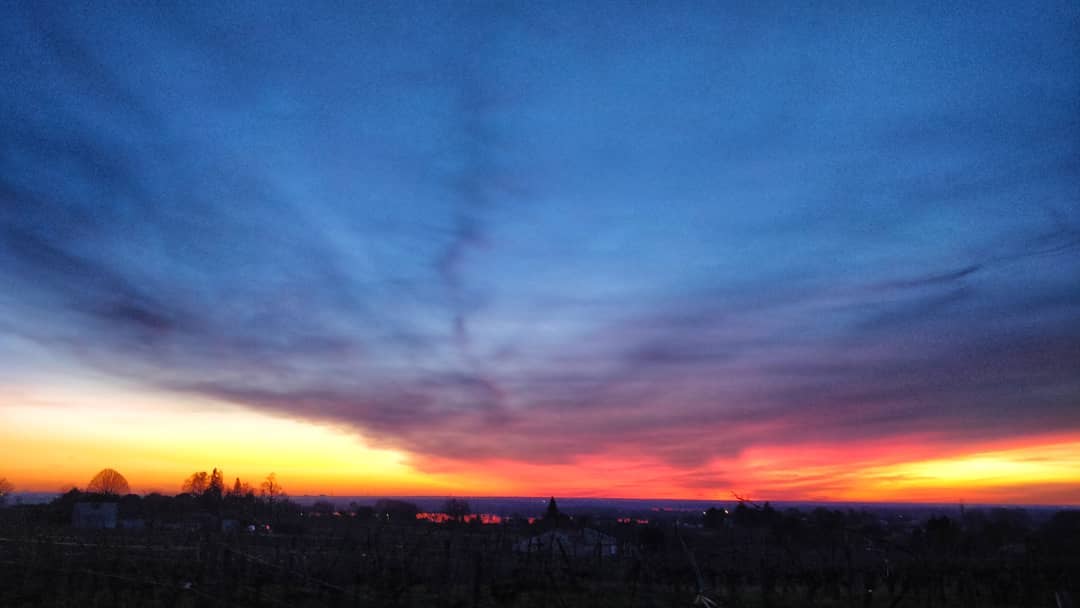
(826, 253)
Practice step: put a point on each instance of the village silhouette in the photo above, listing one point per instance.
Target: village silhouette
(235, 544)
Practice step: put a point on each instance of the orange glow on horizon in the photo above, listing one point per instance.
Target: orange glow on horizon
(1044, 470)
(56, 440)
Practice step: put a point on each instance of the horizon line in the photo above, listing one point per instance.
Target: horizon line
(960, 503)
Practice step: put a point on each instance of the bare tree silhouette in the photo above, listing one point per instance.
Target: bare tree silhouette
(108, 481)
(271, 488)
(196, 483)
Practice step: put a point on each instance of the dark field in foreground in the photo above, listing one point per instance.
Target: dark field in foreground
(752, 556)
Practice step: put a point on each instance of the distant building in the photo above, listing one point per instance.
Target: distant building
(573, 543)
(95, 515)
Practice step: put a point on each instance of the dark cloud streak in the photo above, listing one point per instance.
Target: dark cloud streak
(840, 285)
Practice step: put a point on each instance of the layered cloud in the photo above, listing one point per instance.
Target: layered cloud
(546, 236)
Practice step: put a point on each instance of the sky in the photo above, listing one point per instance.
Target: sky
(828, 252)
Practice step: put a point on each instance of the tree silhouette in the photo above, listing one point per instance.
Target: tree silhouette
(5, 488)
(196, 484)
(110, 482)
(552, 512)
(242, 489)
(553, 518)
(216, 485)
(270, 487)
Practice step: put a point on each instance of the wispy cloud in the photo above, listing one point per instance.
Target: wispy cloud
(541, 235)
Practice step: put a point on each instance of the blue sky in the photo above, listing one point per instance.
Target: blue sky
(540, 232)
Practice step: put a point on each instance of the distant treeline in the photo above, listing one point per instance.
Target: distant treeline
(258, 547)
